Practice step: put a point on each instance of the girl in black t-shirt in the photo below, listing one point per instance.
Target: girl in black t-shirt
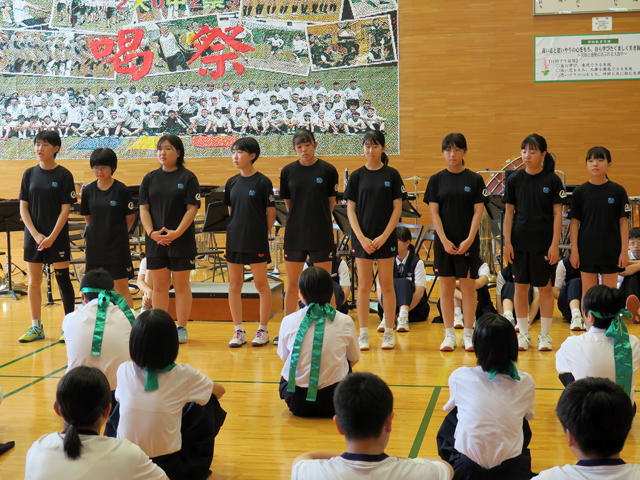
(456, 198)
(599, 226)
(374, 194)
(169, 201)
(249, 196)
(109, 212)
(46, 194)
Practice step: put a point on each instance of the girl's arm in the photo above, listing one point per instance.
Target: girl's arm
(478, 208)
(87, 219)
(332, 203)
(28, 222)
(508, 226)
(624, 236)
(554, 250)
(60, 223)
(271, 218)
(391, 226)
(218, 390)
(187, 220)
(147, 224)
(355, 227)
(287, 202)
(417, 296)
(449, 247)
(130, 220)
(574, 228)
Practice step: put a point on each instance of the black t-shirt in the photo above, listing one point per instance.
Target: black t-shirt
(456, 195)
(373, 192)
(533, 197)
(599, 209)
(249, 198)
(168, 194)
(309, 225)
(46, 191)
(107, 236)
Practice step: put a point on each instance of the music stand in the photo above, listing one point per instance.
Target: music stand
(495, 209)
(342, 220)
(216, 219)
(10, 218)
(408, 210)
(134, 191)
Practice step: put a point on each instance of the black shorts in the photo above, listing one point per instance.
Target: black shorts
(532, 268)
(247, 258)
(459, 266)
(316, 256)
(118, 271)
(603, 269)
(48, 255)
(383, 252)
(175, 264)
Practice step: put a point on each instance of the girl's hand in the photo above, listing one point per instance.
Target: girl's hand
(367, 245)
(146, 301)
(378, 242)
(553, 254)
(169, 235)
(450, 248)
(46, 242)
(39, 238)
(574, 258)
(464, 246)
(159, 237)
(508, 252)
(624, 259)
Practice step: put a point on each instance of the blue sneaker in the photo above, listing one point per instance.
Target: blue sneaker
(33, 333)
(183, 336)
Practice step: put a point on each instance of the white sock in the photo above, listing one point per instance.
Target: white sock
(364, 330)
(575, 312)
(36, 323)
(523, 325)
(545, 325)
(238, 328)
(263, 328)
(388, 330)
(450, 331)
(457, 310)
(467, 331)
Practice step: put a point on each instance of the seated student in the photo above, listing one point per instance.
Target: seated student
(364, 413)
(505, 291)
(629, 279)
(341, 282)
(336, 333)
(409, 283)
(83, 400)
(596, 416)
(97, 333)
(594, 353)
(145, 284)
(567, 290)
(169, 410)
(486, 434)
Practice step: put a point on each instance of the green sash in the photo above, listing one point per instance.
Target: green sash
(621, 347)
(151, 383)
(511, 371)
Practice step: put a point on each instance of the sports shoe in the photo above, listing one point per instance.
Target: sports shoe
(382, 325)
(239, 339)
(363, 341)
(467, 342)
(458, 320)
(33, 333)
(509, 316)
(633, 305)
(403, 324)
(62, 336)
(449, 343)
(261, 338)
(388, 341)
(276, 340)
(524, 341)
(544, 343)
(577, 323)
(183, 336)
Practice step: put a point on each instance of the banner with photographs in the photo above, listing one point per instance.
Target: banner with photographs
(122, 73)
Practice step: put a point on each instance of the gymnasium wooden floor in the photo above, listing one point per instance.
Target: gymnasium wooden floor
(260, 437)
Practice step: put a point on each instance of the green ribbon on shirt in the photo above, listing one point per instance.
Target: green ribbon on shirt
(318, 314)
(512, 371)
(104, 298)
(621, 347)
(151, 383)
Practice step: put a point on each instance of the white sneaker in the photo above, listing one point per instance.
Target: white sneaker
(239, 339)
(363, 341)
(261, 338)
(449, 343)
(458, 320)
(509, 316)
(577, 323)
(467, 342)
(544, 343)
(388, 341)
(382, 325)
(524, 341)
(403, 324)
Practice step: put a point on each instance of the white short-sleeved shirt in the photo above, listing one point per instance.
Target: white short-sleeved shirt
(389, 468)
(344, 279)
(484, 270)
(620, 277)
(340, 344)
(152, 419)
(78, 329)
(591, 355)
(490, 414)
(628, 471)
(142, 269)
(561, 275)
(102, 458)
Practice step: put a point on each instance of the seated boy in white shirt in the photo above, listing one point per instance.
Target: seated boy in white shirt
(596, 416)
(364, 413)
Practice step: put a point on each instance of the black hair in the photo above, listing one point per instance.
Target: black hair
(98, 278)
(82, 397)
(495, 342)
(104, 157)
(537, 142)
(404, 235)
(599, 152)
(598, 414)
(363, 403)
(249, 145)
(154, 340)
(376, 137)
(176, 142)
(316, 286)
(50, 137)
(634, 232)
(303, 136)
(454, 140)
(604, 300)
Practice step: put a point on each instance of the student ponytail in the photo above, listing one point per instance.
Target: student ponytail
(82, 397)
(376, 137)
(537, 142)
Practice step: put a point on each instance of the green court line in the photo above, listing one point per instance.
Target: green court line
(34, 382)
(422, 430)
(21, 376)
(30, 354)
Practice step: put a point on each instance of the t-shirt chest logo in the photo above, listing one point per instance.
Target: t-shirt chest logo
(180, 186)
(54, 184)
(319, 180)
(545, 189)
(612, 200)
(387, 184)
(112, 203)
(252, 193)
(467, 189)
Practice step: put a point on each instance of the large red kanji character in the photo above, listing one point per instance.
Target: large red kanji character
(208, 35)
(125, 60)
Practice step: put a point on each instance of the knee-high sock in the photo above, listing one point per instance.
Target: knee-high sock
(67, 294)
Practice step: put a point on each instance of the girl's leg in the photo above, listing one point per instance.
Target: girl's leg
(67, 293)
(184, 299)
(546, 317)
(327, 267)
(385, 275)
(122, 287)
(507, 309)
(161, 283)
(236, 272)
(469, 302)
(521, 304)
(261, 281)
(34, 290)
(610, 280)
(588, 280)
(447, 289)
(294, 269)
(365, 279)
